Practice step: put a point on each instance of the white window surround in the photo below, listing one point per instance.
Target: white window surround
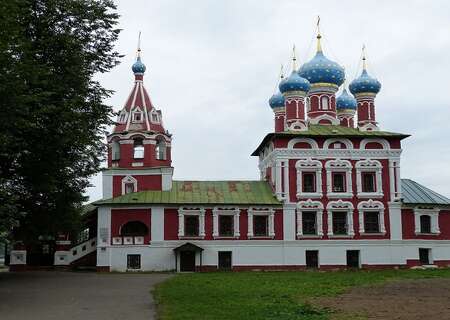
(369, 165)
(311, 142)
(309, 205)
(339, 165)
(261, 212)
(122, 117)
(348, 144)
(135, 113)
(383, 142)
(309, 165)
(126, 180)
(433, 213)
(200, 212)
(371, 206)
(154, 117)
(316, 120)
(324, 103)
(235, 212)
(340, 206)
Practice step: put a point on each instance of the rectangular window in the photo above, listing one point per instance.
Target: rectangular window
(425, 224)
(224, 260)
(368, 182)
(226, 225)
(424, 256)
(129, 187)
(261, 226)
(312, 258)
(309, 182)
(338, 182)
(339, 223)
(309, 222)
(133, 261)
(371, 222)
(191, 226)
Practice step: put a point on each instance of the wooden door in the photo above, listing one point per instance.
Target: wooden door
(187, 261)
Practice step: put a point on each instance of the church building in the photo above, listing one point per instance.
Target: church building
(330, 193)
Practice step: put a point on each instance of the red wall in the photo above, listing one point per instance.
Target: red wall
(121, 216)
(148, 182)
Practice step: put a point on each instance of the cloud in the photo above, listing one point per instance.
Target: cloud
(212, 65)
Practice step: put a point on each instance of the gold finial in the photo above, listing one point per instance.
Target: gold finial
(319, 36)
(294, 59)
(364, 57)
(139, 46)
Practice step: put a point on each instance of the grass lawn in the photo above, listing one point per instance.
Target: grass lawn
(265, 295)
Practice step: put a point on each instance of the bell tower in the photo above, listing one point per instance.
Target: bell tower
(139, 147)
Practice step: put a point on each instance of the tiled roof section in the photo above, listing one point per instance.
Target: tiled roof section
(415, 193)
(203, 192)
(318, 130)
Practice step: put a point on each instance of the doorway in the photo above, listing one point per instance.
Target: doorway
(224, 260)
(353, 258)
(424, 256)
(312, 259)
(187, 261)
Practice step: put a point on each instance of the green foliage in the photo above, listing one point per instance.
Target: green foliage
(53, 116)
(265, 295)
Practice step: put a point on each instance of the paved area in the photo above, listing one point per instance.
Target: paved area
(77, 296)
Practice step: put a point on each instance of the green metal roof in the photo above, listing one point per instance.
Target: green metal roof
(415, 193)
(316, 130)
(203, 192)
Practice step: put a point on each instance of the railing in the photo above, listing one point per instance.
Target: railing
(83, 249)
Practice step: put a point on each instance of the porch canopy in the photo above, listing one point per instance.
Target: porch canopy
(187, 247)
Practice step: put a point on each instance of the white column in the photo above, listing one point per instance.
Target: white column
(379, 181)
(399, 180)
(104, 236)
(416, 222)
(272, 223)
(180, 223)
(350, 230)
(157, 224)
(289, 222)
(250, 223)
(382, 225)
(299, 223)
(361, 221)
(202, 223)
(395, 220)
(286, 179)
(319, 217)
(330, 223)
(349, 181)
(329, 189)
(358, 181)
(392, 182)
(278, 181)
(216, 223)
(237, 232)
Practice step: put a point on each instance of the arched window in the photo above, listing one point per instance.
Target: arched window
(160, 149)
(425, 224)
(138, 148)
(115, 150)
(324, 103)
(133, 229)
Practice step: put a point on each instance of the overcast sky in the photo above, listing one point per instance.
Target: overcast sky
(212, 66)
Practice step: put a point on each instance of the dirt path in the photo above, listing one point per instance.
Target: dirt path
(398, 300)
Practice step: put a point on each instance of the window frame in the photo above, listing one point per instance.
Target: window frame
(270, 213)
(305, 206)
(342, 167)
(226, 211)
(365, 166)
(200, 212)
(372, 206)
(138, 143)
(137, 111)
(309, 166)
(126, 180)
(433, 213)
(340, 206)
(188, 217)
(366, 222)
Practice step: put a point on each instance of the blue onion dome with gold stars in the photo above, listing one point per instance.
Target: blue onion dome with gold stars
(294, 83)
(365, 83)
(346, 101)
(320, 69)
(276, 101)
(138, 67)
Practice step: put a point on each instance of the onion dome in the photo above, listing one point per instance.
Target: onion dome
(320, 69)
(294, 83)
(138, 67)
(276, 101)
(346, 101)
(365, 83)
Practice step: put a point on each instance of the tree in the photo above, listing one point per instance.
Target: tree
(53, 116)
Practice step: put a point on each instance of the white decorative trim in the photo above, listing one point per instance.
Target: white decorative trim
(297, 125)
(311, 142)
(369, 127)
(270, 212)
(310, 205)
(136, 111)
(384, 143)
(340, 206)
(221, 211)
(316, 120)
(348, 144)
(371, 206)
(369, 165)
(339, 165)
(309, 165)
(200, 212)
(433, 213)
(129, 179)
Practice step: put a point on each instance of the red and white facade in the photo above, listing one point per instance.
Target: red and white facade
(340, 198)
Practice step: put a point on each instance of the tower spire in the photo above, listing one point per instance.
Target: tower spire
(364, 57)
(319, 36)
(139, 46)
(294, 59)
